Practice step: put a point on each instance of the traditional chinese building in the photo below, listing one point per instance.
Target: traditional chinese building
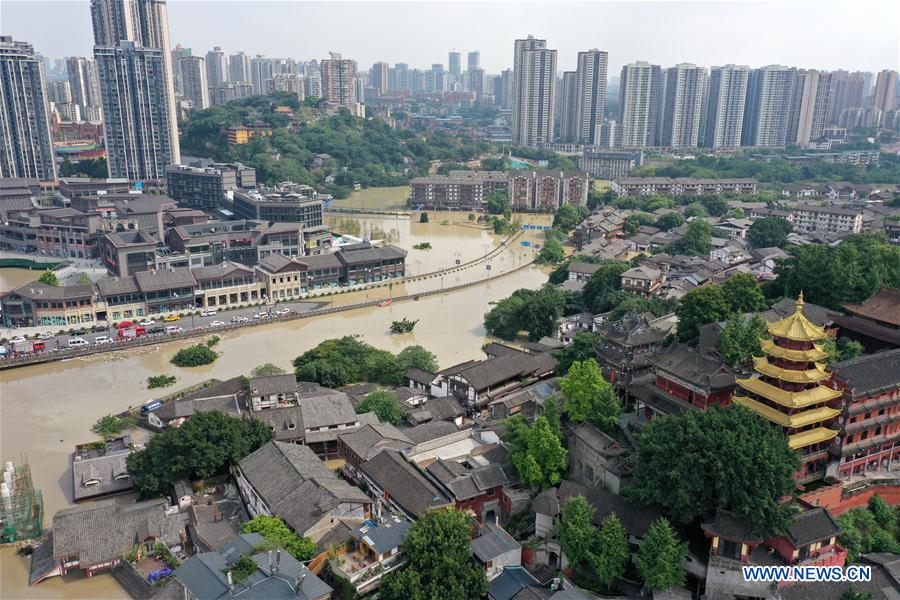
(790, 390)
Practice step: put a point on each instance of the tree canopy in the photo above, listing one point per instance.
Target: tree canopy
(599, 290)
(870, 529)
(534, 311)
(612, 554)
(439, 559)
(577, 534)
(346, 360)
(49, 278)
(834, 275)
(743, 294)
(201, 447)
(740, 339)
(696, 240)
(551, 253)
(581, 348)
(588, 396)
(278, 535)
(568, 216)
(535, 451)
(267, 370)
(769, 232)
(384, 404)
(728, 458)
(660, 558)
(698, 307)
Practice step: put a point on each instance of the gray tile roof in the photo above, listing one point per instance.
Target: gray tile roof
(103, 531)
(275, 262)
(688, 364)
(383, 538)
(186, 407)
(870, 373)
(296, 485)
(811, 526)
(495, 371)
(40, 291)
(150, 281)
(403, 482)
(493, 542)
(110, 286)
(368, 440)
(332, 409)
(420, 376)
(286, 422)
(272, 384)
(636, 519)
(430, 431)
(219, 271)
(109, 469)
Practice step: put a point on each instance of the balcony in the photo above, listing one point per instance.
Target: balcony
(363, 569)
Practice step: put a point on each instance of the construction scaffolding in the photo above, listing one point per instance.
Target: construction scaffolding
(22, 514)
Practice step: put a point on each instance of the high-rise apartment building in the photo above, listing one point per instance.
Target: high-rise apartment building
(474, 61)
(847, 91)
(194, 83)
(566, 107)
(260, 72)
(477, 78)
(770, 93)
(809, 106)
(144, 23)
(239, 68)
(339, 82)
(640, 104)
(534, 92)
(25, 146)
(504, 98)
(885, 90)
(590, 95)
(59, 92)
(453, 63)
(684, 106)
(378, 77)
(83, 81)
(725, 106)
(216, 66)
(136, 114)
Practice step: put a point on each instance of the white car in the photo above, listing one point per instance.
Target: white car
(217, 324)
(102, 339)
(261, 316)
(77, 341)
(45, 336)
(173, 329)
(148, 322)
(239, 319)
(17, 339)
(209, 313)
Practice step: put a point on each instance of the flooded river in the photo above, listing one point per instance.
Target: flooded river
(46, 409)
(13, 277)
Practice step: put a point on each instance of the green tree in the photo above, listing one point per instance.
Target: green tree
(588, 396)
(503, 320)
(497, 203)
(109, 426)
(83, 279)
(601, 285)
(439, 559)
(551, 253)
(612, 553)
(384, 404)
(740, 340)
(581, 348)
(49, 278)
(551, 412)
(194, 356)
(568, 216)
(417, 357)
(695, 209)
(576, 530)
(278, 535)
(842, 349)
(670, 221)
(698, 307)
(660, 558)
(201, 447)
(636, 221)
(869, 529)
(769, 232)
(535, 311)
(743, 294)
(423, 217)
(696, 240)
(728, 458)
(267, 370)
(536, 452)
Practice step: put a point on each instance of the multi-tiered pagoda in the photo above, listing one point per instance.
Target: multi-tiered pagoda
(790, 390)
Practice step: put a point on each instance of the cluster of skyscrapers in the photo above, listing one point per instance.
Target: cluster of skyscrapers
(139, 87)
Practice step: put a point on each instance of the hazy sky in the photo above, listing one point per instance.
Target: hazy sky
(850, 34)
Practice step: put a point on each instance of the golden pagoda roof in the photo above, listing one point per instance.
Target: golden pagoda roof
(802, 399)
(802, 419)
(812, 355)
(762, 364)
(797, 327)
(810, 437)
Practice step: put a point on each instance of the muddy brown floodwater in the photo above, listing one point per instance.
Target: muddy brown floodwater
(46, 409)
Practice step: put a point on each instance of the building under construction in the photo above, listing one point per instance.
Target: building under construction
(22, 515)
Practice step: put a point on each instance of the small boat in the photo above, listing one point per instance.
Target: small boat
(385, 302)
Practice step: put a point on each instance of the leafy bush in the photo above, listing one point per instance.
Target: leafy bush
(385, 406)
(110, 426)
(158, 381)
(277, 534)
(346, 360)
(194, 356)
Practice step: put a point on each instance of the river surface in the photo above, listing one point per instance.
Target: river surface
(46, 409)
(13, 277)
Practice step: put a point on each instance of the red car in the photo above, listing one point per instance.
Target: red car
(124, 324)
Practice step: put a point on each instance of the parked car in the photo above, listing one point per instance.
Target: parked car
(102, 339)
(156, 330)
(209, 312)
(18, 339)
(77, 341)
(45, 336)
(170, 318)
(261, 315)
(217, 324)
(148, 322)
(173, 329)
(124, 324)
(150, 406)
(238, 319)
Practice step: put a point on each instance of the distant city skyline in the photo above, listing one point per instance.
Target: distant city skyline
(815, 35)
